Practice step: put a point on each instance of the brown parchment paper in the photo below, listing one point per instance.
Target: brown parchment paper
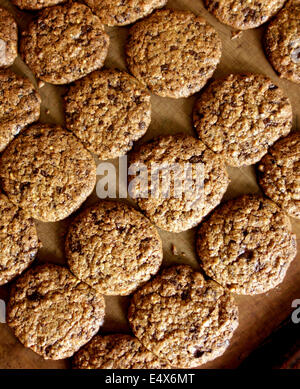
(259, 315)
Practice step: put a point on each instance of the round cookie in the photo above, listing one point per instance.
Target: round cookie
(197, 177)
(243, 14)
(282, 42)
(117, 351)
(35, 4)
(53, 313)
(47, 172)
(64, 43)
(279, 174)
(18, 240)
(8, 38)
(121, 13)
(173, 52)
(240, 116)
(19, 105)
(113, 248)
(247, 245)
(108, 110)
(182, 318)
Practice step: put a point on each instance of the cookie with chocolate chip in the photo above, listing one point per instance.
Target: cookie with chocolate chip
(182, 318)
(108, 110)
(8, 38)
(247, 245)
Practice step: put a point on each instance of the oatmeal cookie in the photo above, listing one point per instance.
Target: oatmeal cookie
(117, 351)
(64, 43)
(185, 181)
(47, 172)
(279, 174)
(108, 110)
(53, 313)
(173, 52)
(113, 248)
(182, 318)
(241, 115)
(19, 105)
(282, 42)
(8, 38)
(247, 245)
(244, 14)
(36, 4)
(19, 243)
(121, 13)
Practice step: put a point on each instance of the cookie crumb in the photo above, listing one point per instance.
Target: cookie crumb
(236, 34)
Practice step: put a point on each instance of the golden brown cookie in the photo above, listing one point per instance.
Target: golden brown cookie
(282, 42)
(64, 43)
(52, 312)
(113, 248)
(121, 13)
(108, 110)
(173, 52)
(47, 172)
(182, 162)
(244, 14)
(19, 105)
(279, 174)
(247, 245)
(18, 240)
(117, 351)
(182, 318)
(36, 4)
(240, 116)
(8, 38)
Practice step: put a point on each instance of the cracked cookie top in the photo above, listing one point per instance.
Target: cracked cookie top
(282, 42)
(113, 248)
(8, 38)
(108, 110)
(19, 105)
(52, 312)
(185, 181)
(47, 172)
(173, 52)
(18, 240)
(120, 12)
(64, 43)
(247, 245)
(241, 115)
(117, 351)
(182, 318)
(279, 174)
(243, 14)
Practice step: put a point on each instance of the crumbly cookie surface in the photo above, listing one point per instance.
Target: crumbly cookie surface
(47, 172)
(279, 174)
(53, 313)
(8, 38)
(121, 13)
(177, 158)
(108, 110)
(116, 351)
(244, 14)
(36, 4)
(241, 115)
(282, 42)
(64, 43)
(247, 245)
(18, 240)
(173, 52)
(19, 105)
(182, 318)
(113, 248)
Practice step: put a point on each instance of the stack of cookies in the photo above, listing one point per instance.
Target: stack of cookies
(180, 317)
